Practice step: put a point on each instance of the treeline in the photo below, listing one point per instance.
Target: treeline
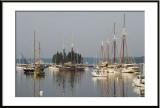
(62, 57)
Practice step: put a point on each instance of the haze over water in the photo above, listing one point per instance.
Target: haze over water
(55, 30)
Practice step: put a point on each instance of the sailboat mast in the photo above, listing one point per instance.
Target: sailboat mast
(124, 24)
(63, 52)
(108, 51)
(77, 57)
(72, 51)
(34, 46)
(114, 30)
(114, 45)
(123, 40)
(123, 51)
(102, 52)
(39, 53)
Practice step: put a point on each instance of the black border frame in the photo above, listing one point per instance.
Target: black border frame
(141, 1)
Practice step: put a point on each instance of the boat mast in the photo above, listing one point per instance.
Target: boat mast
(63, 53)
(77, 57)
(102, 52)
(39, 54)
(108, 51)
(114, 45)
(72, 52)
(72, 45)
(124, 43)
(34, 46)
(123, 40)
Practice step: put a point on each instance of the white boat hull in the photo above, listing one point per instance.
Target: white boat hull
(19, 68)
(94, 74)
(54, 68)
(138, 83)
(124, 70)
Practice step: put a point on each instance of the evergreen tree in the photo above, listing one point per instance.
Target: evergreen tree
(62, 57)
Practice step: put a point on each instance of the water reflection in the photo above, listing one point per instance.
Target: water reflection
(68, 80)
(115, 84)
(76, 84)
(36, 80)
(102, 83)
(37, 84)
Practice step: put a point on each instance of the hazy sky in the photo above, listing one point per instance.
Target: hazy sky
(85, 29)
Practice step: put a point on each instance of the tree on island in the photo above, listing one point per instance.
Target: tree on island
(62, 57)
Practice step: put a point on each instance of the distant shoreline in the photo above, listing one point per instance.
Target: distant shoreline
(89, 60)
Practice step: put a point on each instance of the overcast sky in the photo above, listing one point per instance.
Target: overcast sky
(85, 29)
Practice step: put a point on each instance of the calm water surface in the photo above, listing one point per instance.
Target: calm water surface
(76, 84)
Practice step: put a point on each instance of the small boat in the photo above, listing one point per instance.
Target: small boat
(126, 70)
(29, 69)
(72, 67)
(86, 68)
(111, 70)
(54, 68)
(18, 68)
(99, 73)
(139, 81)
(134, 67)
(139, 90)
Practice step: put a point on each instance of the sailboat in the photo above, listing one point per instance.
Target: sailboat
(20, 67)
(113, 68)
(126, 66)
(101, 70)
(36, 67)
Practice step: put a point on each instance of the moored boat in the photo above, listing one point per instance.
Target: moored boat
(99, 73)
(139, 81)
(54, 67)
(29, 69)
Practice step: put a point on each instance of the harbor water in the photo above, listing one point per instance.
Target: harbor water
(75, 84)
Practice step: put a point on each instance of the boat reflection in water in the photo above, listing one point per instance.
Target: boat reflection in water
(116, 85)
(36, 78)
(74, 84)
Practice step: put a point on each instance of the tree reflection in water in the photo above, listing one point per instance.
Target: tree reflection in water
(67, 78)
